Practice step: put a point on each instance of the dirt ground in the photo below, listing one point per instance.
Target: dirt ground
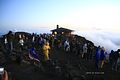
(75, 66)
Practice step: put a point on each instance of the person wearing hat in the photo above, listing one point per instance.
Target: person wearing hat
(46, 49)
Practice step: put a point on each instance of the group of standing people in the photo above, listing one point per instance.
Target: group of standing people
(99, 54)
(45, 42)
(102, 57)
(19, 43)
(84, 50)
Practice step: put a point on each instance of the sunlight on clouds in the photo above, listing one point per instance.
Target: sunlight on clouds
(109, 40)
(101, 17)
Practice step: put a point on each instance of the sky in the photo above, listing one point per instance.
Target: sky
(86, 17)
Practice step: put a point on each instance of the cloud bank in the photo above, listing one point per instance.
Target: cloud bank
(109, 40)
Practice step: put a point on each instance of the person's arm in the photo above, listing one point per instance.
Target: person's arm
(5, 75)
(49, 47)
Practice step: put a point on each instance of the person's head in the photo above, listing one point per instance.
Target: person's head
(112, 51)
(118, 50)
(31, 46)
(47, 43)
(99, 46)
(85, 44)
(103, 48)
(67, 39)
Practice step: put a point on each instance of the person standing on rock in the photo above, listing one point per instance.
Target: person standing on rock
(115, 60)
(97, 57)
(6, 49)
(10, 38)
(21, 42)
(46, 49)
(67, 46)
(5, 42)
(118, 60)
(85, 51)
(102, 57)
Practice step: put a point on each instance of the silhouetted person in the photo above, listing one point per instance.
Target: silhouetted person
(115, 58)
(102, 57)
(97, 57)
(10, 40)
(111, 57)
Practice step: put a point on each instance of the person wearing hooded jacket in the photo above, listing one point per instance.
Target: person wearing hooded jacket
(46, 49)
(97, 57)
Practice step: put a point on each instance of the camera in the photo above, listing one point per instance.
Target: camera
(1, 71)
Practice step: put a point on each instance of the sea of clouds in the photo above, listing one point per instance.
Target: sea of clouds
(109, 40)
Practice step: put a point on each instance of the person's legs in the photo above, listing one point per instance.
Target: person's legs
(113, 65)
(46, 56)
(97, 64)
(117, 64)
(11, 45)
(86, 56)
(83, 55)
(102, 63)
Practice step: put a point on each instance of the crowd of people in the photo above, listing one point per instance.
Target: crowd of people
(45, 42)
(112, 58)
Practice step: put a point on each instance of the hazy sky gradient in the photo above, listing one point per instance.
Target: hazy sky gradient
(80, 15)
(85, 14)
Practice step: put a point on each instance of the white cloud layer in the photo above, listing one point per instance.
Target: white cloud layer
(111, 41)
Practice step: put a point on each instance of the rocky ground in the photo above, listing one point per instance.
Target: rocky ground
(73, 66)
